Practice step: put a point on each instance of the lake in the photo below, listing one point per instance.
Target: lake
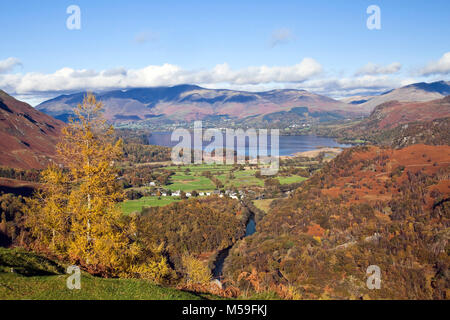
(288, 144)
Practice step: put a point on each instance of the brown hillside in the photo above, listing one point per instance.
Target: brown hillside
(27, 136)
(399, 124)
(392, 114)
(368, 206)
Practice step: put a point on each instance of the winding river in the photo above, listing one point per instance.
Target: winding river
(250, 229)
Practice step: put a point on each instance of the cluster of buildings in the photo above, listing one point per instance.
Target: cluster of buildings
(232, 194)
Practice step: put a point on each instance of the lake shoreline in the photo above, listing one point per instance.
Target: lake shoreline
(288, 145)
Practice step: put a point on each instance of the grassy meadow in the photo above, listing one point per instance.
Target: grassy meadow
(130, 206)
(291, 179)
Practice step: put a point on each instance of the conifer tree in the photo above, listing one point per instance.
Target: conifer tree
(77, 215)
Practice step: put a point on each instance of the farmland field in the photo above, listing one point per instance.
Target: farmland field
(291, 179)
(130, 206)
(245, 178)
(188, 178)
(190, 182)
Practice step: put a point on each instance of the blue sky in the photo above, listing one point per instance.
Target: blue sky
(191, 38)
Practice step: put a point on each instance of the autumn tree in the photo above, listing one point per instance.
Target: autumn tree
(196, 271)
(76, 215)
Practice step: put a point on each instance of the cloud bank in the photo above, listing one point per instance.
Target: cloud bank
(308, 74)
(9, 64)
(439, 67)
(68, 79)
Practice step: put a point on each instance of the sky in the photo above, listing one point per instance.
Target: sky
(322, 46)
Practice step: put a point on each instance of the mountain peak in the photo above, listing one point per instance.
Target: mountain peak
(415, 92)
(441, 87)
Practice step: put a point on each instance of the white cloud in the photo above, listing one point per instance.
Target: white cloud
(9, 64)
(362, 85)
(68, 79)
(308, 74)
(281, 36)
(442, 66)
(374, 69)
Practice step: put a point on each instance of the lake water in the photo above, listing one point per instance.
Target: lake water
(287, 147)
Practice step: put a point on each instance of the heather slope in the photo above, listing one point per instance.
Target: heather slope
(369, 206)
(399, 124)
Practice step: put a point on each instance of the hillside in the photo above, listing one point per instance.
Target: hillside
(27, 136)
(189, 102)
(404, 123)
(417, 92)
(368, 206)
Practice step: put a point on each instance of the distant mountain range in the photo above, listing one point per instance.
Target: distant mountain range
(403, 116)
(27, 136)
(417, 92)
(189, 102)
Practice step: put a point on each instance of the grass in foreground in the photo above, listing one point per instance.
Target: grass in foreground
(38, 278)
(15, 286)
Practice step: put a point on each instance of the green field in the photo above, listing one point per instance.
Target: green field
(38, 278)
(291, 179)
(245, 178)
(189, 182)
(130, 206)
(194, 180)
